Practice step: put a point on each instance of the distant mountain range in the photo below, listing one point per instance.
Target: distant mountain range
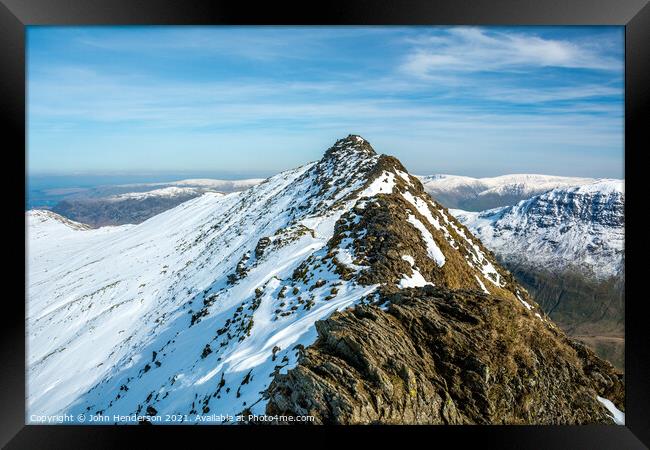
(577, 228)
(338, 290)
(135, 203)
(200, 183)
(478, 194)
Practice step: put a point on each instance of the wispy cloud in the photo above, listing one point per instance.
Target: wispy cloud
(469, 90)
(479, 50)
(82, 95)
(268, 43)
(523, 95)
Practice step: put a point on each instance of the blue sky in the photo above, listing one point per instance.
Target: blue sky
(258, 100)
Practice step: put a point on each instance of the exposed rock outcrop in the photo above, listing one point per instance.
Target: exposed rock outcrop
(436, 356)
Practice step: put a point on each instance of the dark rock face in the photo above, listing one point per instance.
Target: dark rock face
(598, 208)
(437, 356)
(382, 231)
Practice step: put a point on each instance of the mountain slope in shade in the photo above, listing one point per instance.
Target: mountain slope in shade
(198, 309)
(478, 194)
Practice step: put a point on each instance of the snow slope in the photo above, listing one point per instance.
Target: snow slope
(94, 315)
(159, 308)
(578, 227)
(193, 311)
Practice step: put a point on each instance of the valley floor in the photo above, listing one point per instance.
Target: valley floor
(611, 348)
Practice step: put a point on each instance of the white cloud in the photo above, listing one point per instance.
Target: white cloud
(521, 95)
(208, 111)
(466, 49)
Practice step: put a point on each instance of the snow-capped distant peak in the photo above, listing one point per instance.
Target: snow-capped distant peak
(606, 186)
(523, 182)
(171, 191)
(579, 227)
(204, 183)
(476, 194)
(216, 184)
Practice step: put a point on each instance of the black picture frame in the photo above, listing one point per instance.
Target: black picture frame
(15, 15)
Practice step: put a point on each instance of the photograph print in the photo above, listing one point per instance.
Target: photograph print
(317, 225)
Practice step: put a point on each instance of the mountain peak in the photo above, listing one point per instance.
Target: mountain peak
(353, 143)
(235, 285)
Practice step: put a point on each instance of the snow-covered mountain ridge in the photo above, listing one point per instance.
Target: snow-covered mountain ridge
(171, 191)
(196, 309)
(576, 227)
(477, 194)
(205, 183)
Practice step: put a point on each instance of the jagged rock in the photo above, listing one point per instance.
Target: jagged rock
(445, 357)
(262, 244)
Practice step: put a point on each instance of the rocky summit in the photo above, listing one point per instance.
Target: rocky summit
(339, 289)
